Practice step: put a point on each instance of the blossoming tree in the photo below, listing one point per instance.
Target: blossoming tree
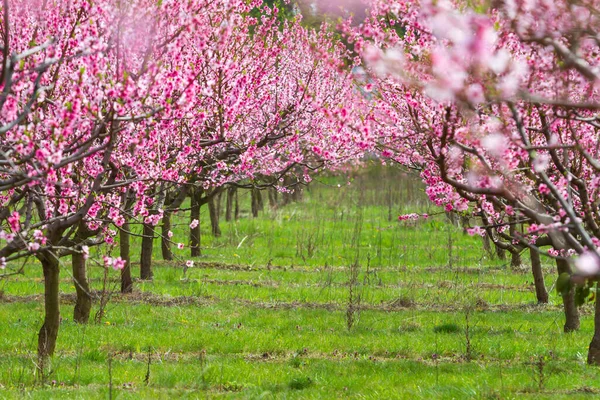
(498, 107)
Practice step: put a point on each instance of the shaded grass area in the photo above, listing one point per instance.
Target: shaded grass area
(263, 313)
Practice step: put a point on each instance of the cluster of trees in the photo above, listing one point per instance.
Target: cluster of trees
(112, 113)
(497, 107)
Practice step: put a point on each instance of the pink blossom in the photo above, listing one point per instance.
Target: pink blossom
(588, 263)
(85, 250)
(119, 263)
(13, 221)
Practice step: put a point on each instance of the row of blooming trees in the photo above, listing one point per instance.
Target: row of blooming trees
(497, 106)
(114, 112)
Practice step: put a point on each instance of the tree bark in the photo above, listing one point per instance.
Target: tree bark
(195, 232)
(146, 256)
(126, 280)
(297, 193)
(237, 207)
(594, 349)
(219, 197)
(538, 277)
(272, 192)
(487, 246)
(259, 200)
(229, 203)
(500, 253)
(214, 217)
(49, 331)
(254, 201)
(570, 309)
(515, 259)
(165, 242)
(83, 302)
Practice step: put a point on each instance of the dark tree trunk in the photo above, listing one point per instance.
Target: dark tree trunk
(214, 217)
(126, 280)
(49, 331)
(594, 349)
(195, 215)
(237, 206)
(219, 197)
(571, 312)
(83, 303)
(538, 277)
(259, 200)
(229, 203)
(253, 195)
(165, 241)
(146, 256)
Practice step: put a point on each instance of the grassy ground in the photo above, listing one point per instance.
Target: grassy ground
(265, 313)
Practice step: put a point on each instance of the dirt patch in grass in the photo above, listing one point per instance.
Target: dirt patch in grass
(391, 306)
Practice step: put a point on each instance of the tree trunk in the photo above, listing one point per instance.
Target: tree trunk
(165, 241)
(594, 349)
(49, 331)
(83, 303)
(487, 246)
(146, 256)
(126, 281)
(259, 200)
(538, 277)
(195, 215)
(237, 207)
(214, 217)
(571, 312)
(272, 192)
(500, 253)
(229, 203)
(218, 202)
(254, 200)
(515, 259)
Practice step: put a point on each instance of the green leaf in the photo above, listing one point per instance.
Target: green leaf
(563, 283)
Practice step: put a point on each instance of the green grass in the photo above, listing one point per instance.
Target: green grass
(263, 313)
